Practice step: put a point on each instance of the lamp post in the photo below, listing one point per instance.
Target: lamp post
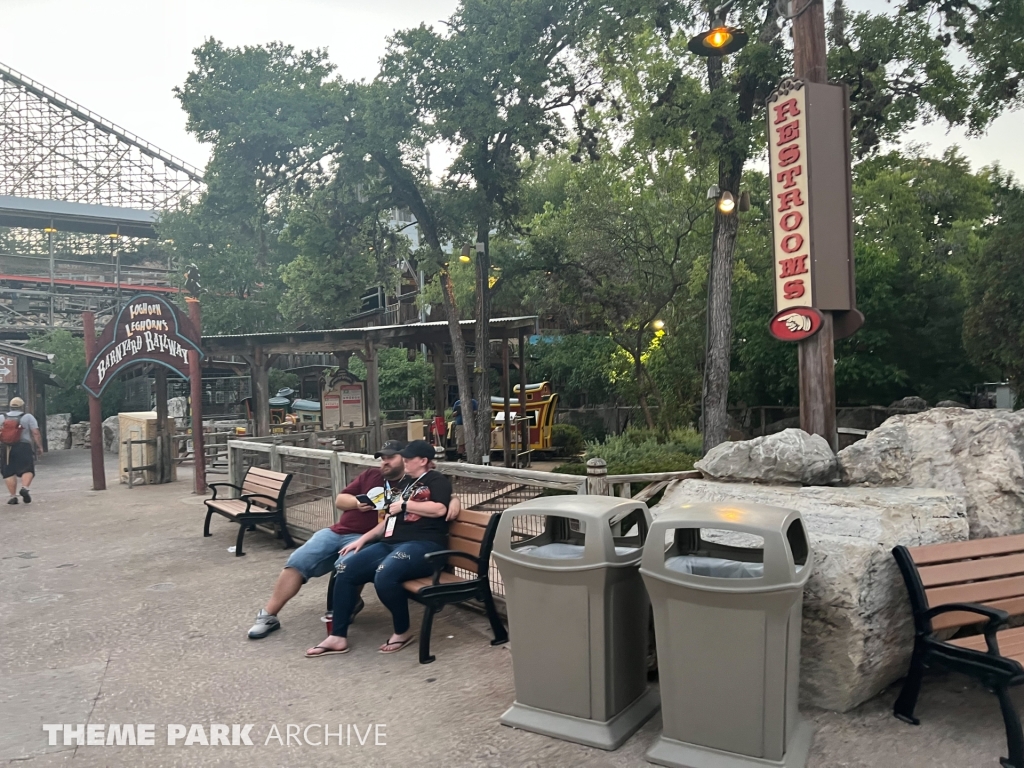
(714, 43)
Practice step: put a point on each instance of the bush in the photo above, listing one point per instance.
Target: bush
(567, 440)
(639, 451)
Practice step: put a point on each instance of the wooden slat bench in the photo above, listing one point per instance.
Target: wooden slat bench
(470, 539)
(260, 500)
(959, 585)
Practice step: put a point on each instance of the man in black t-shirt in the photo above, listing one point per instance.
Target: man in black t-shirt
(394, 552)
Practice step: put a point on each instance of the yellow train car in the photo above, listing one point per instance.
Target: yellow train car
(540, 407)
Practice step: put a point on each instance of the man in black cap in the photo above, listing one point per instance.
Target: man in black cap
(394, 552)
(360, 502)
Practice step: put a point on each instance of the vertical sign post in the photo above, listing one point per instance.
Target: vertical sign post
(99, 477)
(809, 156)
(196, 380)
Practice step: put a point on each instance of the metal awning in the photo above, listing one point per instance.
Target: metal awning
(33, 213)
(355, 339)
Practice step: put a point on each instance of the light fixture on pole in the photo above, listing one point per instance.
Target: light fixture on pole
(721, 39)
(714, 192)
(744, 205)
(464, 257)
(727, 203)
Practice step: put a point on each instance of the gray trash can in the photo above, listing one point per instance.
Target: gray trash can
(726, 582)
(578, 617)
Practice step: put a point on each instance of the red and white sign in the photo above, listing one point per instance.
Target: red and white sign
(787, 151)
(352, 410)
(331, 411)
(795, 323)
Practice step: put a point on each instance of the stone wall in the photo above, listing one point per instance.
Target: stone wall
(58, 431)
(857, 631)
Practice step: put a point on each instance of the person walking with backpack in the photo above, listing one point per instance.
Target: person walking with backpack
(20, 441)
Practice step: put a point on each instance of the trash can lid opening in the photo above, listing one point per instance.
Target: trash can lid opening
(714, 567)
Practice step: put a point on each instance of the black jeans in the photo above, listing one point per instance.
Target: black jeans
(387, 565)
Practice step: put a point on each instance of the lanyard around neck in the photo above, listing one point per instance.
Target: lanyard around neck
(407, 493)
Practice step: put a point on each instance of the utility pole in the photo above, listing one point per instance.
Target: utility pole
(817, 353)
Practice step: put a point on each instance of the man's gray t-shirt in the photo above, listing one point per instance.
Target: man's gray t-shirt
(28, 423)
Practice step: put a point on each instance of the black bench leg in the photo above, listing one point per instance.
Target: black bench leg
(238, 541)
(428, 623)
(907, 700)
(1014, 733)
(282, 528)
(497, 626)
(206, 525)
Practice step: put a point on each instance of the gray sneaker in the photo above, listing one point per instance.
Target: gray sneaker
(265, 624)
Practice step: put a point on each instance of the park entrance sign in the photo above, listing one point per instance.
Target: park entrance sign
(809, 157)
(149, 329)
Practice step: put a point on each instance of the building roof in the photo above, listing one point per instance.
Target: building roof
(7, 348)
(76, 217)
(354, 339)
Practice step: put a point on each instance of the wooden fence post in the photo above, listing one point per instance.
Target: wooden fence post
(597, 473)
(337, 480)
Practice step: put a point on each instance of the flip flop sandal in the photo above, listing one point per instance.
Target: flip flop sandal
(400, 645)
(325, 651)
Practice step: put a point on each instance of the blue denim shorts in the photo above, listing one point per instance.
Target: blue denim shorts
(319, 554)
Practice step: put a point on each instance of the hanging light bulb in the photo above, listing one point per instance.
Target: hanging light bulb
(727, 203)
(718, 41)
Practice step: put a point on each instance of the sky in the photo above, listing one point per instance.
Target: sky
(122, 58)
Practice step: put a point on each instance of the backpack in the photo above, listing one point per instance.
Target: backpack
(10, 432)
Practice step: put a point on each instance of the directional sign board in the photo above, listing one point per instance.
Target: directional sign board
(8, 369)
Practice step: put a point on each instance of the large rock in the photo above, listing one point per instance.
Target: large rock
(977, 453)
(912, 404)
(789, 457)
(58, 431)
(112, 434)
(857, 628)
(80, 435)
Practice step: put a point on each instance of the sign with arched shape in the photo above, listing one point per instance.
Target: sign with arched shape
(148, 329)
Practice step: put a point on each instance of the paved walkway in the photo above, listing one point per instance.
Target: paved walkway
(116, 610)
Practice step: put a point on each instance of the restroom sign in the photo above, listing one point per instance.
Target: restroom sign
(808, 151)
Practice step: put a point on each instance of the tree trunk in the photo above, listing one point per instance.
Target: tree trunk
(483, 345)
(451, 311)
(715, 399)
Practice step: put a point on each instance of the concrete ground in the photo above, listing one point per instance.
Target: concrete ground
(117, 610)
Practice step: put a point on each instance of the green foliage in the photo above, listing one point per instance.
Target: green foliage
(641, 451)
(619, 252)
(279, 379)
(994, 322)
(577, 365)
(401, 379)
(919, 233)
(69, 365)
(567, 439)
(263, 108)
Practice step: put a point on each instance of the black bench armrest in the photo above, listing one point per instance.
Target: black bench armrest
(996, 619)
(214, 486)
(446, 553)
(248, 497)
